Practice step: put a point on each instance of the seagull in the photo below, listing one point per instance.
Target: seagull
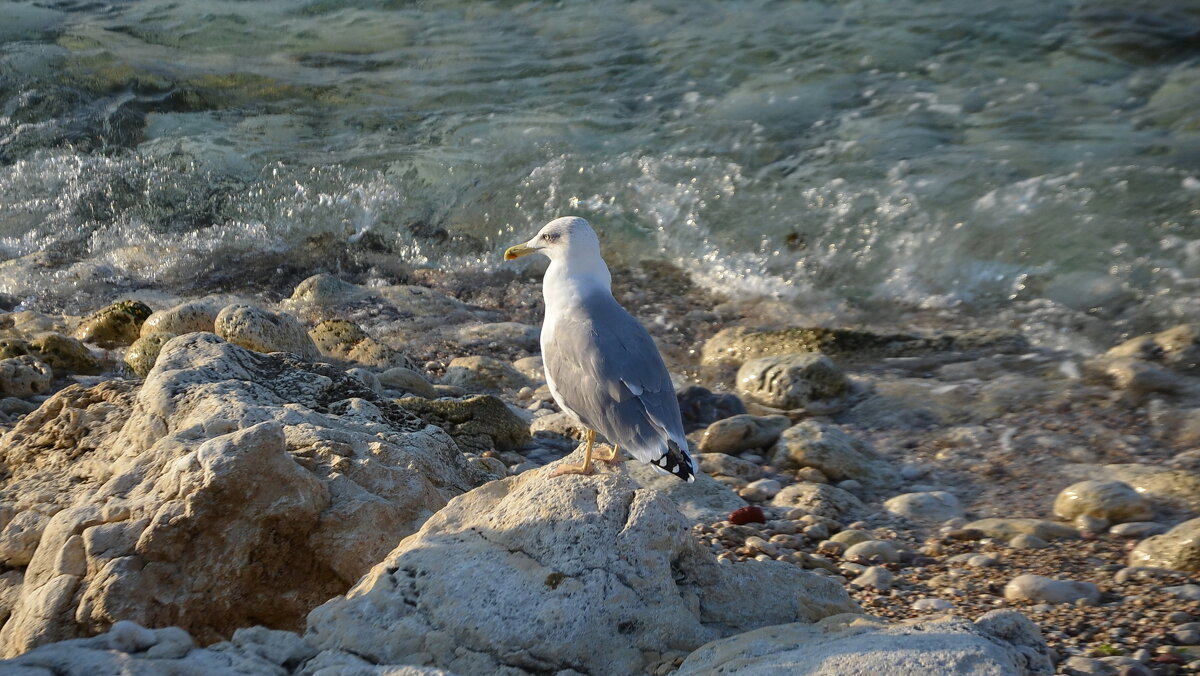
(601, 365)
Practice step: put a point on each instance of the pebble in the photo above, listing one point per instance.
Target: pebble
(761, 490)
(1090, 524)
(1138, 530)
(925, 506)
(875, 576)
(818, 531)
(852, 536)
(932, 604)
(1187, 634)
(870, 549)
(982, 561)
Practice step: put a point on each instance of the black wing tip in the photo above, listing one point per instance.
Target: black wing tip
(677, 461)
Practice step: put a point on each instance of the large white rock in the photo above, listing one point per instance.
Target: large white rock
(1001, 643)
(233, 488)
(805, 380)
(591, 573)
(263, 331)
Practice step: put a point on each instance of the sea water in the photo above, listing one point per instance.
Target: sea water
(1034, 164)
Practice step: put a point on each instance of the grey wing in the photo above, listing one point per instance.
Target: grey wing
(609, 373)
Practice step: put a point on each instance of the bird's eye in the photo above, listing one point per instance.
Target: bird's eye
(550, 237)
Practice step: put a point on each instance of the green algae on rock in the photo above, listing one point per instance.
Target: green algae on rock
(144, 352)
(117, 325)
(477, 423)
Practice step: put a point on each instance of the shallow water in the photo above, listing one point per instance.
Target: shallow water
(1034, 164)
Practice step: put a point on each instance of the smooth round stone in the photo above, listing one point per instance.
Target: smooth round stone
(850, 485)
(932, 604)
(927, 506)
(1187, 634)
(817, 531)
(1087, 523)
(1113, 501)
(875, 576)
(981, 561)
(1027, 541)
(1048, 590)
(760, 490)
(851, 536)
(792, 381)
(1138, 530)
(742, 433)
(884, 550)
(366, 377)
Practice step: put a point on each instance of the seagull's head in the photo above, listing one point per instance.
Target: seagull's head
(564, 238)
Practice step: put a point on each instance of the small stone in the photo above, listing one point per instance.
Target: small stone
(982, 561)
(817, 531)
(850, 485)
(877, 577)
(757, 544)
(1049, 590)
(932, 605)
(64, 355)
(1027, 541)
(760, 490)
(812, 475)
(1086, 523)
(852, 536)
(1112, 501)
(532, 368)
(1138, 530)
(925, 506)
(1187, 592)
(885, 551)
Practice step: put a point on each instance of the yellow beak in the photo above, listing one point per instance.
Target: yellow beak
(515, 252)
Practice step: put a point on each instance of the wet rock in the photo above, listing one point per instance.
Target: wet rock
(263, 331)
(346, 341)
(515, 334)
(1177, 549)
(24, 376)
(1000, 642)
(720, 464)
(1177, 347)
(1136, 376)
(326, 290)
(1112, 501)
(190, 317)
(407, 380)
(743, 433)
(1041, 589)
(587, 554)
(701, 407)
(819, 499)
(140, 356)
(483, 374)
(477, 423)
(65, 355)
(231, 488)
(117, 325)
(810, 381)
(1008, 528)
(836, 454)
(925, 506)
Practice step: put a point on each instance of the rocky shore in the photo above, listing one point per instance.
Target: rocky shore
(350, 481)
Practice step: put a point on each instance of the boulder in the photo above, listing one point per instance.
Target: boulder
(233, 488)
(809, 381)
(117, 325)
(925, 506)
(838, 455)
(262, 331)
(478, 423)
(190, 317)
(326, 290)
(743, 433)
(140, 356)
(1112, 501)
(65, 355)
(483, 374)
(587, 573)
(344, 340)
(819, 499)
(1177, 549)
(999, 642)
(24, 376)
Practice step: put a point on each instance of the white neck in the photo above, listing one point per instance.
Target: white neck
(587, 275)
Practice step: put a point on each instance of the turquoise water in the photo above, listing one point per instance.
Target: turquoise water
(1028, 161)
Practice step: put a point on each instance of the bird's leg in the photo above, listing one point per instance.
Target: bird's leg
(615, 456)
(586, 467)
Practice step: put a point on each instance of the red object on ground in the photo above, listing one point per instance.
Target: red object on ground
(746, 515)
